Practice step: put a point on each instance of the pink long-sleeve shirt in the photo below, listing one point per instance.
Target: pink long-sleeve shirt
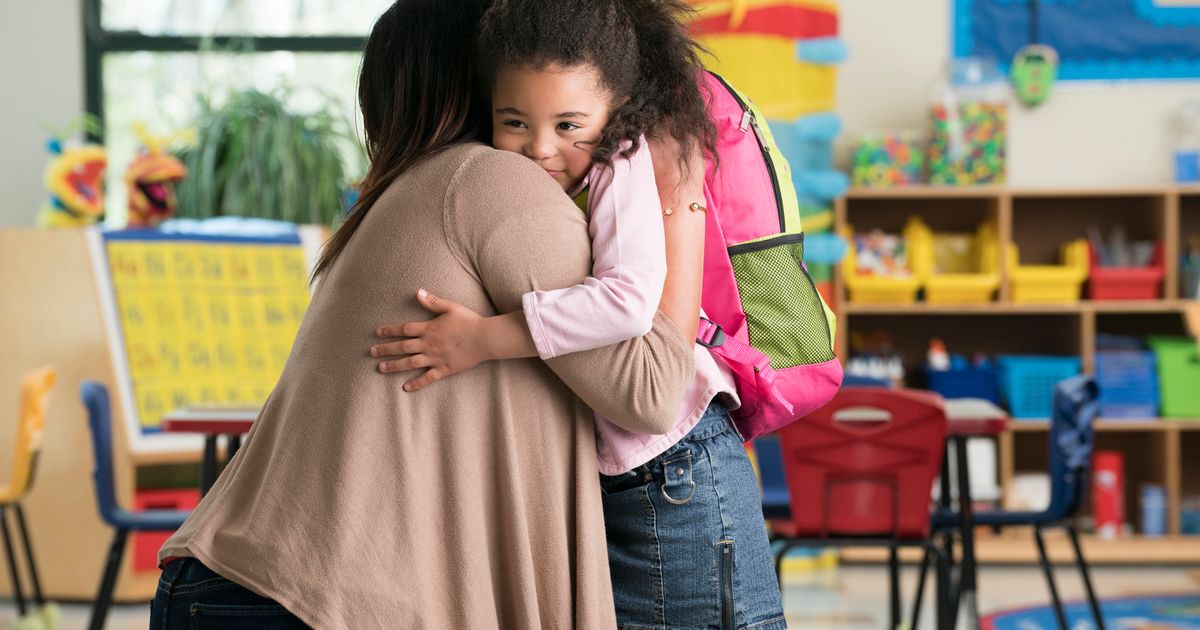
(619, 301)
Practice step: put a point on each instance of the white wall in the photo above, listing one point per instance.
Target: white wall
(41, 82)
(1086, 134)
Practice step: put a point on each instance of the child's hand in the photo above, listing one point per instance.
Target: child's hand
(447, 344)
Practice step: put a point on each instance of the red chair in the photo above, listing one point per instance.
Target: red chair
(859, 472)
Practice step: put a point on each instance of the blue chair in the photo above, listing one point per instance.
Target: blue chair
(775, 501)
(1076, 406)
(851, 380)
(95, 398)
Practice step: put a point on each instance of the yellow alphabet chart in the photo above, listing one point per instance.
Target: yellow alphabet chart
(201, 319)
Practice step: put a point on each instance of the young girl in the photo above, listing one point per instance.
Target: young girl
(577, 87)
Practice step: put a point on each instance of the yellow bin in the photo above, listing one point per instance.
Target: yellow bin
(1049, 284)
(878, 289)
(956, 268)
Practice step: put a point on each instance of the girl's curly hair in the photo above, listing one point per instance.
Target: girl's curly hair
(640, 48)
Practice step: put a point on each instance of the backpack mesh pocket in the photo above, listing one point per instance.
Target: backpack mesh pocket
(785, 315)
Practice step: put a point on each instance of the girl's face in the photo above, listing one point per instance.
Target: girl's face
(551, 115)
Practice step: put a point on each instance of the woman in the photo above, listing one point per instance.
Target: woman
(470, 504)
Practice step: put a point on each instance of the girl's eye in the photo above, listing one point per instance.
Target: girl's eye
(514, 123)
(567, 126)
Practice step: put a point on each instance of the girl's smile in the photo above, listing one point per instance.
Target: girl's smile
(551, 115)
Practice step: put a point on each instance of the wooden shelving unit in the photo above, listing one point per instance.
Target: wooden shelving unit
(1164, 451)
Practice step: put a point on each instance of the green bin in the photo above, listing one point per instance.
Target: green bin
(1178, 376)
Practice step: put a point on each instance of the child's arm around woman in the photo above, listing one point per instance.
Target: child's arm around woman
(618, 302)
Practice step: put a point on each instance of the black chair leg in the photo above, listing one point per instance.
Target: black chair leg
(894, 586)
(916, 609)
(787, 546)
(18, 592)
(945, 613)
(1049, 572)
(1081, 562)
(104, 597)
(944, 481)
(38, 598)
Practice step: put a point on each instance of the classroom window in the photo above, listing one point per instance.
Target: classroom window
(148, 60)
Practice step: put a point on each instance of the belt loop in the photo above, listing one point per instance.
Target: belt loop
(678, 486)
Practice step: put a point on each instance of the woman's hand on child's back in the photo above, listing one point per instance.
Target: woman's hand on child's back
(445, 345)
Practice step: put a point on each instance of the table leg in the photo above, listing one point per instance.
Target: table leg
(948, 536)
(208, 465)
(967, 587)
(235, 443)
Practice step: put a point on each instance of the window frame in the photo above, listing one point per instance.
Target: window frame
(99, 42)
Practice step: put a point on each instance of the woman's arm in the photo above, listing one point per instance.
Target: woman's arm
(678, 188)
(510, 225)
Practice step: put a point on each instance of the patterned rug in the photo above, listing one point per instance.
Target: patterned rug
(1168, 612)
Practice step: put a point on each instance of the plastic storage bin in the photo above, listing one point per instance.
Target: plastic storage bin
(1178, 376)
(1189, 281)
(867, 288)
(956, 268)
(969, 122)
(1128, 383)
(1125, 283)
(971, 382)
(1049, 284)
(1027, 382)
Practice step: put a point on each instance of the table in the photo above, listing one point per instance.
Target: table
(967, 418)
(212, 422)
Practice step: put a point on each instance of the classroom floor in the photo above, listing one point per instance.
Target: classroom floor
(848, 598)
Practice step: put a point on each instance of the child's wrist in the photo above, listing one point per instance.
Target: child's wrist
(486, 339)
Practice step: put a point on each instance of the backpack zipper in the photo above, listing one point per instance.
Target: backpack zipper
(767, 243)
(750, 121)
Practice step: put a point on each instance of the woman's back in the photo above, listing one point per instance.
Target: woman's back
(472, 503)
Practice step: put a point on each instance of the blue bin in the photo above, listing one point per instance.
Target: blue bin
(1027, 382)
(1128, 381)
(964, 383)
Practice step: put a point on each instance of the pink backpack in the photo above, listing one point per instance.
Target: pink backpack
(765, 318)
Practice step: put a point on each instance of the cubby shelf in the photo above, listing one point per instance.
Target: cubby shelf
(1165, 451)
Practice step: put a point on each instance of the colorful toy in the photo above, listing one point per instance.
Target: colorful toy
(75, 180)
(783, 55)
(770, 50)
(150, 181)
(888, 159)
(968, 144)
(969, 125)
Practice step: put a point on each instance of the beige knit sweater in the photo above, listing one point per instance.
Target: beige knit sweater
(472, 503)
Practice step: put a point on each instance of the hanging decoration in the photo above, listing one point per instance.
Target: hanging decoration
(1035, 66)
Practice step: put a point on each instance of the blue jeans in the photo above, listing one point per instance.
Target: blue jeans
(190, 595)
(687, 546)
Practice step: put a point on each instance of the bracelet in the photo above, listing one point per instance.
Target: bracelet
(694, 207)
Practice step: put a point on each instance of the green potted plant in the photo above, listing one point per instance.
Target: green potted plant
(255, 158)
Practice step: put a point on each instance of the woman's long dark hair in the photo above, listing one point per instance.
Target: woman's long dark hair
(417, 93)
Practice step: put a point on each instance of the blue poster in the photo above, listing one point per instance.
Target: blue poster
(1095, 39)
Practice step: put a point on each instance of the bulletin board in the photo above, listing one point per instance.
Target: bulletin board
(197, 319)
(1095, 39)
